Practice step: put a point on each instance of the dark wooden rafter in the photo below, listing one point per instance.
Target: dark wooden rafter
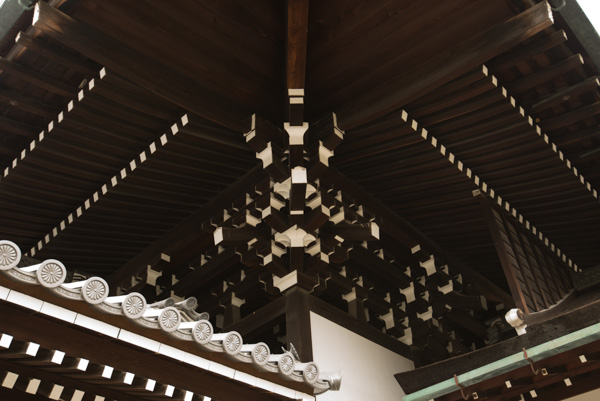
(423, 78)
(556, 70)
(161, 79)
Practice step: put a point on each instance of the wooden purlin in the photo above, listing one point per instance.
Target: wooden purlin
(485, 107)
(161, 79)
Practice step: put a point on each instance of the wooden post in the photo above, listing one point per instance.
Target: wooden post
(297, 321)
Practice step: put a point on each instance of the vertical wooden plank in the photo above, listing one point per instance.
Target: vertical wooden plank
(536, 270)
(551, 279)
(535, 284)
(509, 271)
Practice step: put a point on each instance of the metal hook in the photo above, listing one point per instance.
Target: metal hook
(462, 389)
(534, 369)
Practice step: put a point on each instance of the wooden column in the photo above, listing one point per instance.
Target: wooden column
(297, 321)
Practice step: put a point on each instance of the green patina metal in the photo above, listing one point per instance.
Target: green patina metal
(494, 369)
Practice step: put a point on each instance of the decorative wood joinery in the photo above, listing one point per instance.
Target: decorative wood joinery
(537, 278)
(293, 225)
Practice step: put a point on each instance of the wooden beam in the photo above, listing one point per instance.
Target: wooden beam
(132, 64)
(66, 382)
(556, 70)
(253, 324)
(37, 78)
(297, 37)
(571, 137)
(363, 329)
(527, 52)
(203, 274)
(429, 75)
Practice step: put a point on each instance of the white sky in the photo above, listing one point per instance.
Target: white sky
(592, 10)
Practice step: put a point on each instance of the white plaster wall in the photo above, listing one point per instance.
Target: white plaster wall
(368, 368)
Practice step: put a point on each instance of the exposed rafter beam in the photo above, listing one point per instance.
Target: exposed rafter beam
(443, 67)
(131, 64)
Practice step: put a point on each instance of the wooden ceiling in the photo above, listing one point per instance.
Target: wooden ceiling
(142, 106)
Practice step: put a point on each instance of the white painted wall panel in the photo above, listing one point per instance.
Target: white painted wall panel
(368, 368)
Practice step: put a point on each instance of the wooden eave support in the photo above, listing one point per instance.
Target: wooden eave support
(231, 236)
(423, 78)
(189, 228)
(407, 235)
(380, 268)
(327, 131)
(352, 232)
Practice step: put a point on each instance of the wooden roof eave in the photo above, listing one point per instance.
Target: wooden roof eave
(568, 328)
(213, 372)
